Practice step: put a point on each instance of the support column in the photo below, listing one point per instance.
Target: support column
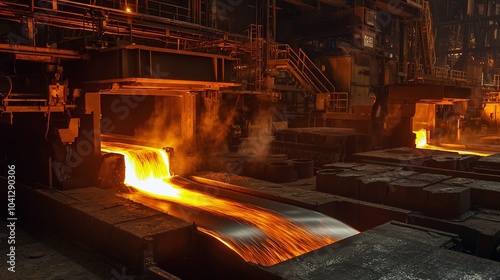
(93, 107)
(188, 121)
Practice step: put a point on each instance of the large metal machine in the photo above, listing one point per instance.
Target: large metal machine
(238, 88)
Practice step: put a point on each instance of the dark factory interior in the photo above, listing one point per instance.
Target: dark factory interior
(250, 139)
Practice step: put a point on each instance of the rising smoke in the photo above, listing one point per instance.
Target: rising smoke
(213, 125)
(163, 129)
(259, 134)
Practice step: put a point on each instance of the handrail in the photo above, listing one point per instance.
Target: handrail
(496, 81)
(340, 101)
(72, 15)
(458, 75)
(441, 72)
(491, 97)
(307, 60)
(304, 69)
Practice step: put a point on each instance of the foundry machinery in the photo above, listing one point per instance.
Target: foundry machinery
(55, 103)
(74, 74)
(145, 51)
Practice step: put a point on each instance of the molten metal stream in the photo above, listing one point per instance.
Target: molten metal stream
(421, 143)
(147, 170)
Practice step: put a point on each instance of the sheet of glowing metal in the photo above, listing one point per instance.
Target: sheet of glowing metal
(259, 230)
(240, 235)
(317, 223)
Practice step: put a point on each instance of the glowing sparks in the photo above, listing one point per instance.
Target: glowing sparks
(279, 239)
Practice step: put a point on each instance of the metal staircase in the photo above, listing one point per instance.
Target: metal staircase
(427, 37)
(282, 56)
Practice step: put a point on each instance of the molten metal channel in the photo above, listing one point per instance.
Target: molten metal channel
(421, 143)
(260, 231)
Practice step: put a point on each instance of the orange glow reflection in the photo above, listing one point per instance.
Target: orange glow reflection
(147, 170)
(421, 143)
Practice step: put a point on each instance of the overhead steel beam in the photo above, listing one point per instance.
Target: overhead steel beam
(37, 53)
(147, 86)
(141, 68)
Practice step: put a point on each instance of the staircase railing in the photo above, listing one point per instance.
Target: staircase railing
(301, 66)
(307, 73)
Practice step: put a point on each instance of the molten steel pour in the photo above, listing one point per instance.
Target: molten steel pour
(421, 143)
(147, 170)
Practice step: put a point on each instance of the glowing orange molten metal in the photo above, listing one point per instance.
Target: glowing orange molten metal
(421, 142)
(421, 138)
(147, 170)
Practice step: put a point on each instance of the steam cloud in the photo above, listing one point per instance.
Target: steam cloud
(260, 134)
(163, 126)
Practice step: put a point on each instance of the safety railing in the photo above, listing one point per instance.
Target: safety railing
(441, 72)
(491, 97)
(301, 66)
(458, 75)
(307, 73)
(414, 70)
(339, 102)
(152, 7)
(496, 81)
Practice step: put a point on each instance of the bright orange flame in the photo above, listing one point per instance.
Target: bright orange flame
(128, 10)
(147, 171)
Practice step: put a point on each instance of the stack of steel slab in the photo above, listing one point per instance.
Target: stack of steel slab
(390, 251)
(489, 164)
